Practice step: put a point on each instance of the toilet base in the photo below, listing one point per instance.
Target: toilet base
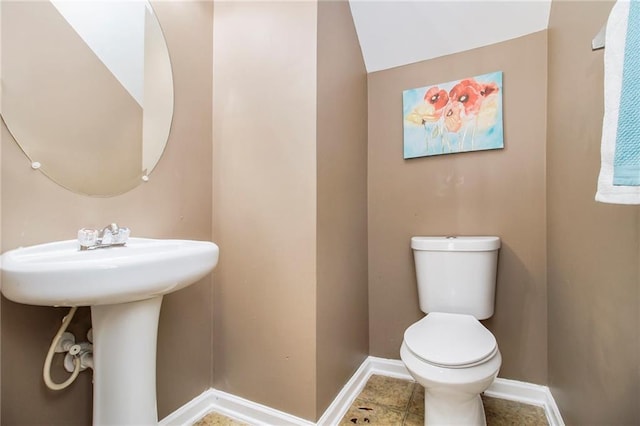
(452, 408)
(452, 395)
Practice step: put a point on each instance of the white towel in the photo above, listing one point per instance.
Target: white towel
(615, 40)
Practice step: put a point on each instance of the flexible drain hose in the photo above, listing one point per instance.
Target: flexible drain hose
(46, 371)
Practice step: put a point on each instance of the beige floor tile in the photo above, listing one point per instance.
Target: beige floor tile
(413, 420)
(366, 412)
(215, 419)
(388, 391)
(416, 405)
(502, 412)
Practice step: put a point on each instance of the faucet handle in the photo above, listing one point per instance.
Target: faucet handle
(87, 237)
(121, 236)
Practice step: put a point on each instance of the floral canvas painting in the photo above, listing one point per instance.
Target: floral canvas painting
(458, 116)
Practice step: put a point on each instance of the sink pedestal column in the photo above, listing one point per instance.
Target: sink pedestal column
(124, 357)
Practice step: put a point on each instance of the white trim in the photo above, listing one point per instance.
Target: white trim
(252, 412)
(337, 409)
(551, 410)
(190, 412)
(527, 393)
(257, 414)
(389, 367)
(233, 407)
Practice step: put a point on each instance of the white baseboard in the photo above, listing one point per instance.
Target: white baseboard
(341, 403)
(527, 393)
(233, 407)
(192, 411)
(258, 414)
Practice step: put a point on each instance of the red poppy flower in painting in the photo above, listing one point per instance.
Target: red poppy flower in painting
(467, 92)
(430, 111)
(488, 112)
(453, 116)
(436, 97)
(488, 89)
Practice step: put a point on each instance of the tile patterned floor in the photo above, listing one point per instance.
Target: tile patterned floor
(215, 419)
(386, 401)
(390, 401)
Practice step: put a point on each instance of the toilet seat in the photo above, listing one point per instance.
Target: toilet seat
(450, 340)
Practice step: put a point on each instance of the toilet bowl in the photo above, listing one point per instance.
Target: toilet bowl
(455, 358)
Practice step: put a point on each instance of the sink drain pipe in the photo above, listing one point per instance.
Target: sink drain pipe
(46, 371)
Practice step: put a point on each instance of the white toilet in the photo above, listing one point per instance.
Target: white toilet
(449, 351)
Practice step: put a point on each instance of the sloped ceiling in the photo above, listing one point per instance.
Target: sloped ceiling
(394, 33)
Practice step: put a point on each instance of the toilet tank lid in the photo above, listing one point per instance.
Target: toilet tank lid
(456, 243)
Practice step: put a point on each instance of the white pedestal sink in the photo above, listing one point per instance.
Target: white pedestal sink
(124, 287)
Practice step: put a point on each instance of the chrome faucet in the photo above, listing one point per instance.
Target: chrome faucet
(110, 236)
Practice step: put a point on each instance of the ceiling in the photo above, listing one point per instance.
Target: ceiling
(394, 33)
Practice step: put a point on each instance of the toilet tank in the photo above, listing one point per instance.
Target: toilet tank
(456, 274)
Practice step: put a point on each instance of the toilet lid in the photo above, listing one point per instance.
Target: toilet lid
(450, 339)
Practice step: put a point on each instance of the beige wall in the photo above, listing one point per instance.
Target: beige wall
(289, 203)
(593, 248)
(500, 192)
(342, 309)
(265, 202)
(176, 202)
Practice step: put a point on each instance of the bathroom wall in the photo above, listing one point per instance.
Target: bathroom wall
(342, 308)
(290, 311)
(265, 202)
(593, 248)
(176, 202)
(499, 192)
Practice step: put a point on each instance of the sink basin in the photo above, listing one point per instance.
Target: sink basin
(59, 274)
(124, 287)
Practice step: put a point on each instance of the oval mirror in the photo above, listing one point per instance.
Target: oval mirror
(87, 90)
